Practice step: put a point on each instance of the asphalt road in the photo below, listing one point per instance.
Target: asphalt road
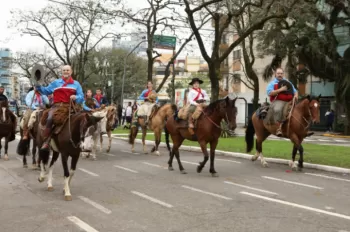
(135, 192)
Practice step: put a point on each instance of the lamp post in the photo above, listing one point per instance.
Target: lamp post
(122, 95)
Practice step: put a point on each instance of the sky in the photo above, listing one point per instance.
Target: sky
(12, 39)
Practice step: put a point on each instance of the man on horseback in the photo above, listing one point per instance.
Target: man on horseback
(4, 101)
(148, 95)
(279, 97)
(34, 100)
(64, 90)
(196, 97)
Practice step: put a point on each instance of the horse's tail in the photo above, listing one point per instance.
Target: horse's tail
(23, 147)
(249, 135)
(167, 138)
(133, 133)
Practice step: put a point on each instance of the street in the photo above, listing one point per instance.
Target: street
(122, 191)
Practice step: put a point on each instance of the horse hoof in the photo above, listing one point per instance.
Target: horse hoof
(183, 172)
(25, 165)
(290, 163)
(41, 179)
(215, 175)
(94, 159)
(6, 158)
(50, 188)
(67, 198)
(300, 169)
(265, 165)
(254, 158)
(199, 169)
(170, 168)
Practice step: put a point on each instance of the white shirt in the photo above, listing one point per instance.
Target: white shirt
(128, 111)
(192, 94)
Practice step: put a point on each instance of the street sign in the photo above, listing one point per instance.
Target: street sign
(164, 42)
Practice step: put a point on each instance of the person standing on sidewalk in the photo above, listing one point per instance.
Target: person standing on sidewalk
(330, 119)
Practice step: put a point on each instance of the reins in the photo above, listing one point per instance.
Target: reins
(71, 105)
(291, 115)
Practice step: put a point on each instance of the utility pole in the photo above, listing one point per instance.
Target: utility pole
(173, 81)
(112, 91)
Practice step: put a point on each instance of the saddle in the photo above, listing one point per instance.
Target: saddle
(154, 111)
(60, 117)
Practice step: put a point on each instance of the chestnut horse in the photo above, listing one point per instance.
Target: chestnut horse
(207, 130)
(67, 142)
(156, 124)
(296, 127)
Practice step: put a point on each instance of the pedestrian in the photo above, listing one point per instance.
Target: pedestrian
(330, 119)
(128, 116)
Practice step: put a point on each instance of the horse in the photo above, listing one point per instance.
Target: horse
(7, 122)
(307, 110)
(66, 140)
(23, 145)
(207, 130)
(94, 133)
(157, 121)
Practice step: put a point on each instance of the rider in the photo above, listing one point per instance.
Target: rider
(279, 98)
(195, 97)
(3, 98)
(34, 100)
(101, 100)
(90, 103)
(64, 90)
(146, 108)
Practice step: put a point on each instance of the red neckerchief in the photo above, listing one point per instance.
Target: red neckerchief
(148, 92)
(38, 97)
(199, 91)
(67, 81)
(98, 98)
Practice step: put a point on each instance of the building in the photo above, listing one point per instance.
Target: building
(5, 70)
(130, 42)
(24, 86)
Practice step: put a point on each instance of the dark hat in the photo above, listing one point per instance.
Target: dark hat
(195, 80)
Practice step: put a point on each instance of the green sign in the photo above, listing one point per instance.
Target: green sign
(164, 42)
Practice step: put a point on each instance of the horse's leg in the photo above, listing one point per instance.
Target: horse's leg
(95, 138)
(66, 189)
(172, 153)
(109, 133)
(157, 134)
(101, 142)
(49, 177)
(201, 165)
(213, 145)
(0, 147)
(177, 154)
(24, 160)
(260, 138)
(301, 157)
(6, 157)
(144, 133)
(295, 140)
(34, 161)
(43, 161)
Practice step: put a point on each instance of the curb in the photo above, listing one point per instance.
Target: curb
(337, 136)
(248, 157)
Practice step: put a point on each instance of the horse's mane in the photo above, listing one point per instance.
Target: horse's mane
(213, 106)
(310, 97)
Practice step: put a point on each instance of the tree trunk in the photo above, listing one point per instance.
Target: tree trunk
(214, 72)
(256, 95)
(347, 120)
(149, 65)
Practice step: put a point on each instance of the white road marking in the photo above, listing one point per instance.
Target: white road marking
(88, 172)
(297, 205)
(96, 205)
(232, 161)
(341, 141)
(154, 165)
(187, 162)
(328, 208)
(81, 224)
(327, 177)
(291, 182)
(309, 140)
(324, 140)
(129, 152)
(251, 188)
(109, 154)
(152, 199)
(126, 169)
(205, 192)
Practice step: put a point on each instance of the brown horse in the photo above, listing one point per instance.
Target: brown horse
(110, 120)
(67, 141)
(7, 122)
(307, 110)
(156, 124)
(207, 130)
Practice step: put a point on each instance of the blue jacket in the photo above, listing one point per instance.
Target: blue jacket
(143, 97)
(62, 93)
(35, 103)
(86, 108)
(271, 85)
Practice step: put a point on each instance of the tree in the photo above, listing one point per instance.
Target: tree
(223, 13)
(172, 87)
(71, 29)
(108, 64)
(26, 61)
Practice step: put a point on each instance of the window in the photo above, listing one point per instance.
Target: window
(224, 39)
(236, 78)
(237, 54)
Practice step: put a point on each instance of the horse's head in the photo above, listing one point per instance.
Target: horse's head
(228, 110)
(314, 107)
(111, 115)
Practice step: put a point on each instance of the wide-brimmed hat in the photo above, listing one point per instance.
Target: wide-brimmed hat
(195, 80)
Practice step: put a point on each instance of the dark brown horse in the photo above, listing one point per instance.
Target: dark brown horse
(307, 110)
(207, 130)
(7, 122)
(67, 142)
